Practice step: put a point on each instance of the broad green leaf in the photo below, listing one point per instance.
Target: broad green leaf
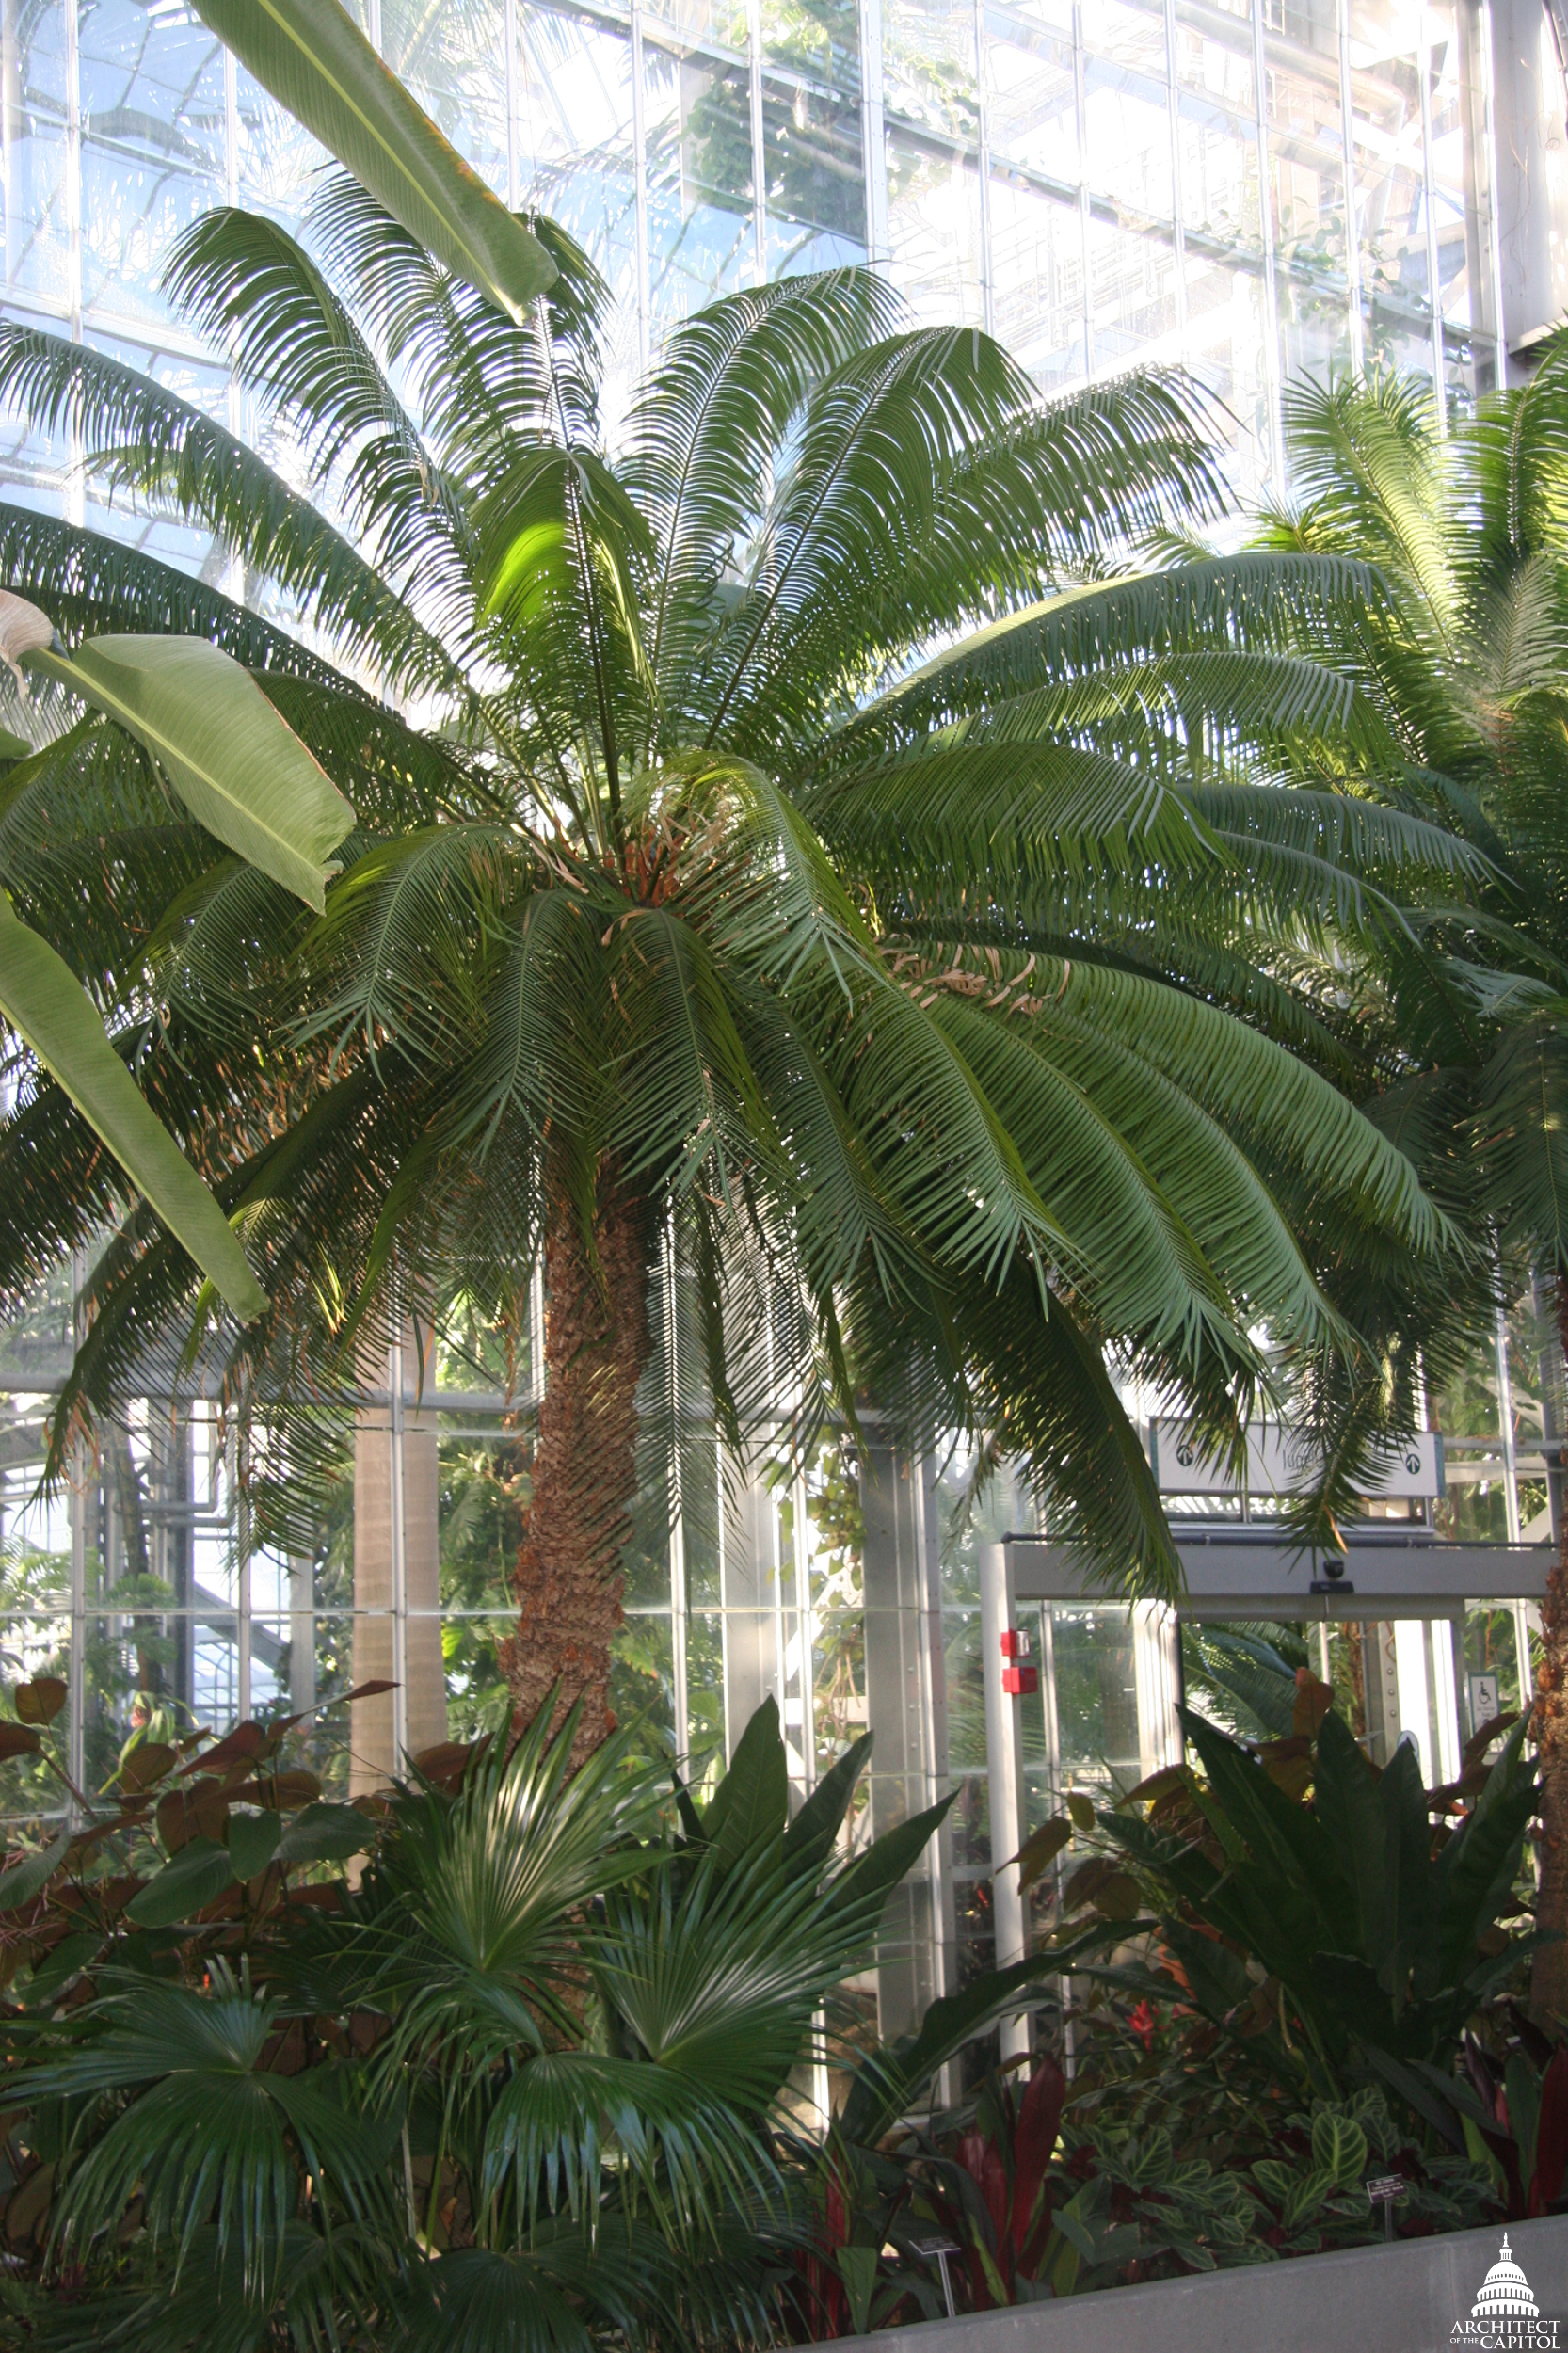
(888, 1857)
(316, 62)
(857, 2270)
(1339, 2148)
(752, 1802)
(253, 1842)
(26, 1880)
(39, 997)
(809, 1839)
(196, 1878)
(239, 767)
(325, 1833)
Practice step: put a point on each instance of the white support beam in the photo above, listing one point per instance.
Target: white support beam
(1004, 1769)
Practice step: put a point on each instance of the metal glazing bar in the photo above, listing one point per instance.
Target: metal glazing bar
(76, 1671)
(511, 36)
(679, 1697)
(758, 168)
(1505, 1423)
(399, 1558)
(242, 1580)
(1265, 222)
(1494, 238)
(873, 130)
(1434, 289)
(1352, 218)
(639, 166)
(1081, 115)
(1173, 117)
(982, 164)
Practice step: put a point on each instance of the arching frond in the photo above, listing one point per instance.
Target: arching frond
(143, 437)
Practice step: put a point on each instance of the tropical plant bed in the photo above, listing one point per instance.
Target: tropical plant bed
(512, 2037)
(1403, 2298)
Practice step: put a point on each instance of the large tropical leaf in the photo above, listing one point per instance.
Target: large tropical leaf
(239, 767)
(42, 999)
(313, 58)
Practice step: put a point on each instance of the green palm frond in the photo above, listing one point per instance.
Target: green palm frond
(90, 585)
(255, 290)
(205, 2127)
(1252, 602)
(140, 436)
(721, 402)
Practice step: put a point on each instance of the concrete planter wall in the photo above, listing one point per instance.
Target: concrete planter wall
(1402, 2299)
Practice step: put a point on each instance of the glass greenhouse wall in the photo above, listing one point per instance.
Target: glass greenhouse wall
(1255, 191)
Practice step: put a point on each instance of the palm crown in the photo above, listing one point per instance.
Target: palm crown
(1466, 1006)
(801, 888)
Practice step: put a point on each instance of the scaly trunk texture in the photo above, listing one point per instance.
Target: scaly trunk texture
(1549, 1971)
(568, 1578)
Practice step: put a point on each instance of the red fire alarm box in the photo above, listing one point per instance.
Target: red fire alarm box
(1015, 1643)
(1021, 1680)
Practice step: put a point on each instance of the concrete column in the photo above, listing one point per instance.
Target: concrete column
(302, 1638)
(899, 1692)
(1381, 1684)
(396, 1570)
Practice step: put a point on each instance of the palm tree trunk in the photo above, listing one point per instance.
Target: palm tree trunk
(568, 1578)
(1549, 1973)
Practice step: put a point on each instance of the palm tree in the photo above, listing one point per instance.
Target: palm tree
(1467, 661)
(805, 892)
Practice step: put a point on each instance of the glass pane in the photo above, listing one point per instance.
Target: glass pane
(1097, 1697)
(1386, 136)
(1314, 328)
(36, 1641)
(1491, 1665)
(1127, 132)
(969, 1821)
(575, 154)
(1037, 282)
(1031, 115)
(814, 170)
(928, 66)
(642, 1677)
(700, 229)
(1391, 338)
(1463, 198)
(1217, 126)
(934, 230)
(153, 117)
(1307, 153)
(821, 37)
(965, 1690)
(705, 1696)
(1133, 298)
(716, 24)
(277, 160)
(478, 1699)
(1225, 347)
(32, 61)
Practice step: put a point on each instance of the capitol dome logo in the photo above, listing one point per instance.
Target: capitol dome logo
(1505, 2316)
